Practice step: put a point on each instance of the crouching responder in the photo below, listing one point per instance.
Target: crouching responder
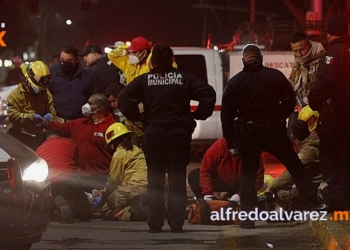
(123, 196)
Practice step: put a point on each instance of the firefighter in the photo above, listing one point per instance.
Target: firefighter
(30, 105)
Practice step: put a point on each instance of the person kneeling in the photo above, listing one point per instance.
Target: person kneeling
(123, 197)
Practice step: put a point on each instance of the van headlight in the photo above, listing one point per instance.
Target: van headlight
(37, 171)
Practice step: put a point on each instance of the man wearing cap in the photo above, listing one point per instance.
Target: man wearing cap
(132, 60)
(70, 84)
(330, 97)
(102, 74)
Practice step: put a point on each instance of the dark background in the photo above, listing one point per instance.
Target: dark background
(41, 23)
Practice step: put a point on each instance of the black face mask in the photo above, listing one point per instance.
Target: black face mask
(67, 67)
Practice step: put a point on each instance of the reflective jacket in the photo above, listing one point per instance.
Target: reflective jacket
(303, 75)
(130, 70)
(128, 167)
(22, 106)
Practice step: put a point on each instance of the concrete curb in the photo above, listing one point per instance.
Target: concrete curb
(331, 234)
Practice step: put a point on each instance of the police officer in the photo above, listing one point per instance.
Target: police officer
(168, 124)
(330, 96)
(259, 100)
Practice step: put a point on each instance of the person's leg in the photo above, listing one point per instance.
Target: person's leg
(156, 164)
(278, 145)
(250, 153)
(178, 159)
(193, 181)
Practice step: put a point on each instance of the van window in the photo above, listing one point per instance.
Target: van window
(193, 64)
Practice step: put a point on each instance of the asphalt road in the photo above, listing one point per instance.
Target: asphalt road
(99, 234)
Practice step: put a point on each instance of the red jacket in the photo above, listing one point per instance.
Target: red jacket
(228, 166)
(61, 156)
(90, 141)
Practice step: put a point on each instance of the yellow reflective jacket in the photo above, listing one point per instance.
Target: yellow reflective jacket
(22, 106)
(127, 167)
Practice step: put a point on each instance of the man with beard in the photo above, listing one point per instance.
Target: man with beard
(70, 84)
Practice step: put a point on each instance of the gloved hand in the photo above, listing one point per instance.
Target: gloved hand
(38, 120)
(95, 202)
(48, 117)
(235, 198)
(121, 50)
(208, 197)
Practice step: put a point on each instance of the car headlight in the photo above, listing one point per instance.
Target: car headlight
(37, 171)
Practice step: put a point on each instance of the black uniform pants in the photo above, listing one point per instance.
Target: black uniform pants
(334, 132)
(218, 184)
(253, 140)
(166, 149)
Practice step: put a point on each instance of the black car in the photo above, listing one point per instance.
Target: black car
(24, 189)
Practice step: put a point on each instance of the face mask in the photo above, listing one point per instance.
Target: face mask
(86, 110)
(304, 59)
(67, 67)
(134, 59)
(34, 89)
(119, 114)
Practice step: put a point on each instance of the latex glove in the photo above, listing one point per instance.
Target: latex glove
(95, 202)
(235, 198)
(38, 120)
(121, 50)
(208, 197)
(48, 117)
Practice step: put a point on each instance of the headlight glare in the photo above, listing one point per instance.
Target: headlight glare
(37, 171)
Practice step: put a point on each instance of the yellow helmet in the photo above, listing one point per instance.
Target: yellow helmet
(37, 73)
(309, 116)
(114, 131)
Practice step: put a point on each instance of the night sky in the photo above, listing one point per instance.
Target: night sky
(172, 22)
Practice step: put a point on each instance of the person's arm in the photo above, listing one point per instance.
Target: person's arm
(116, 174)
(229, 113)
(210, 161)
(15, 107)
(129, 99)
(259, 180)
(65, 128)
(286, 95)
(283, 180)
(119, 57)
(320, 89)
(206, 97)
